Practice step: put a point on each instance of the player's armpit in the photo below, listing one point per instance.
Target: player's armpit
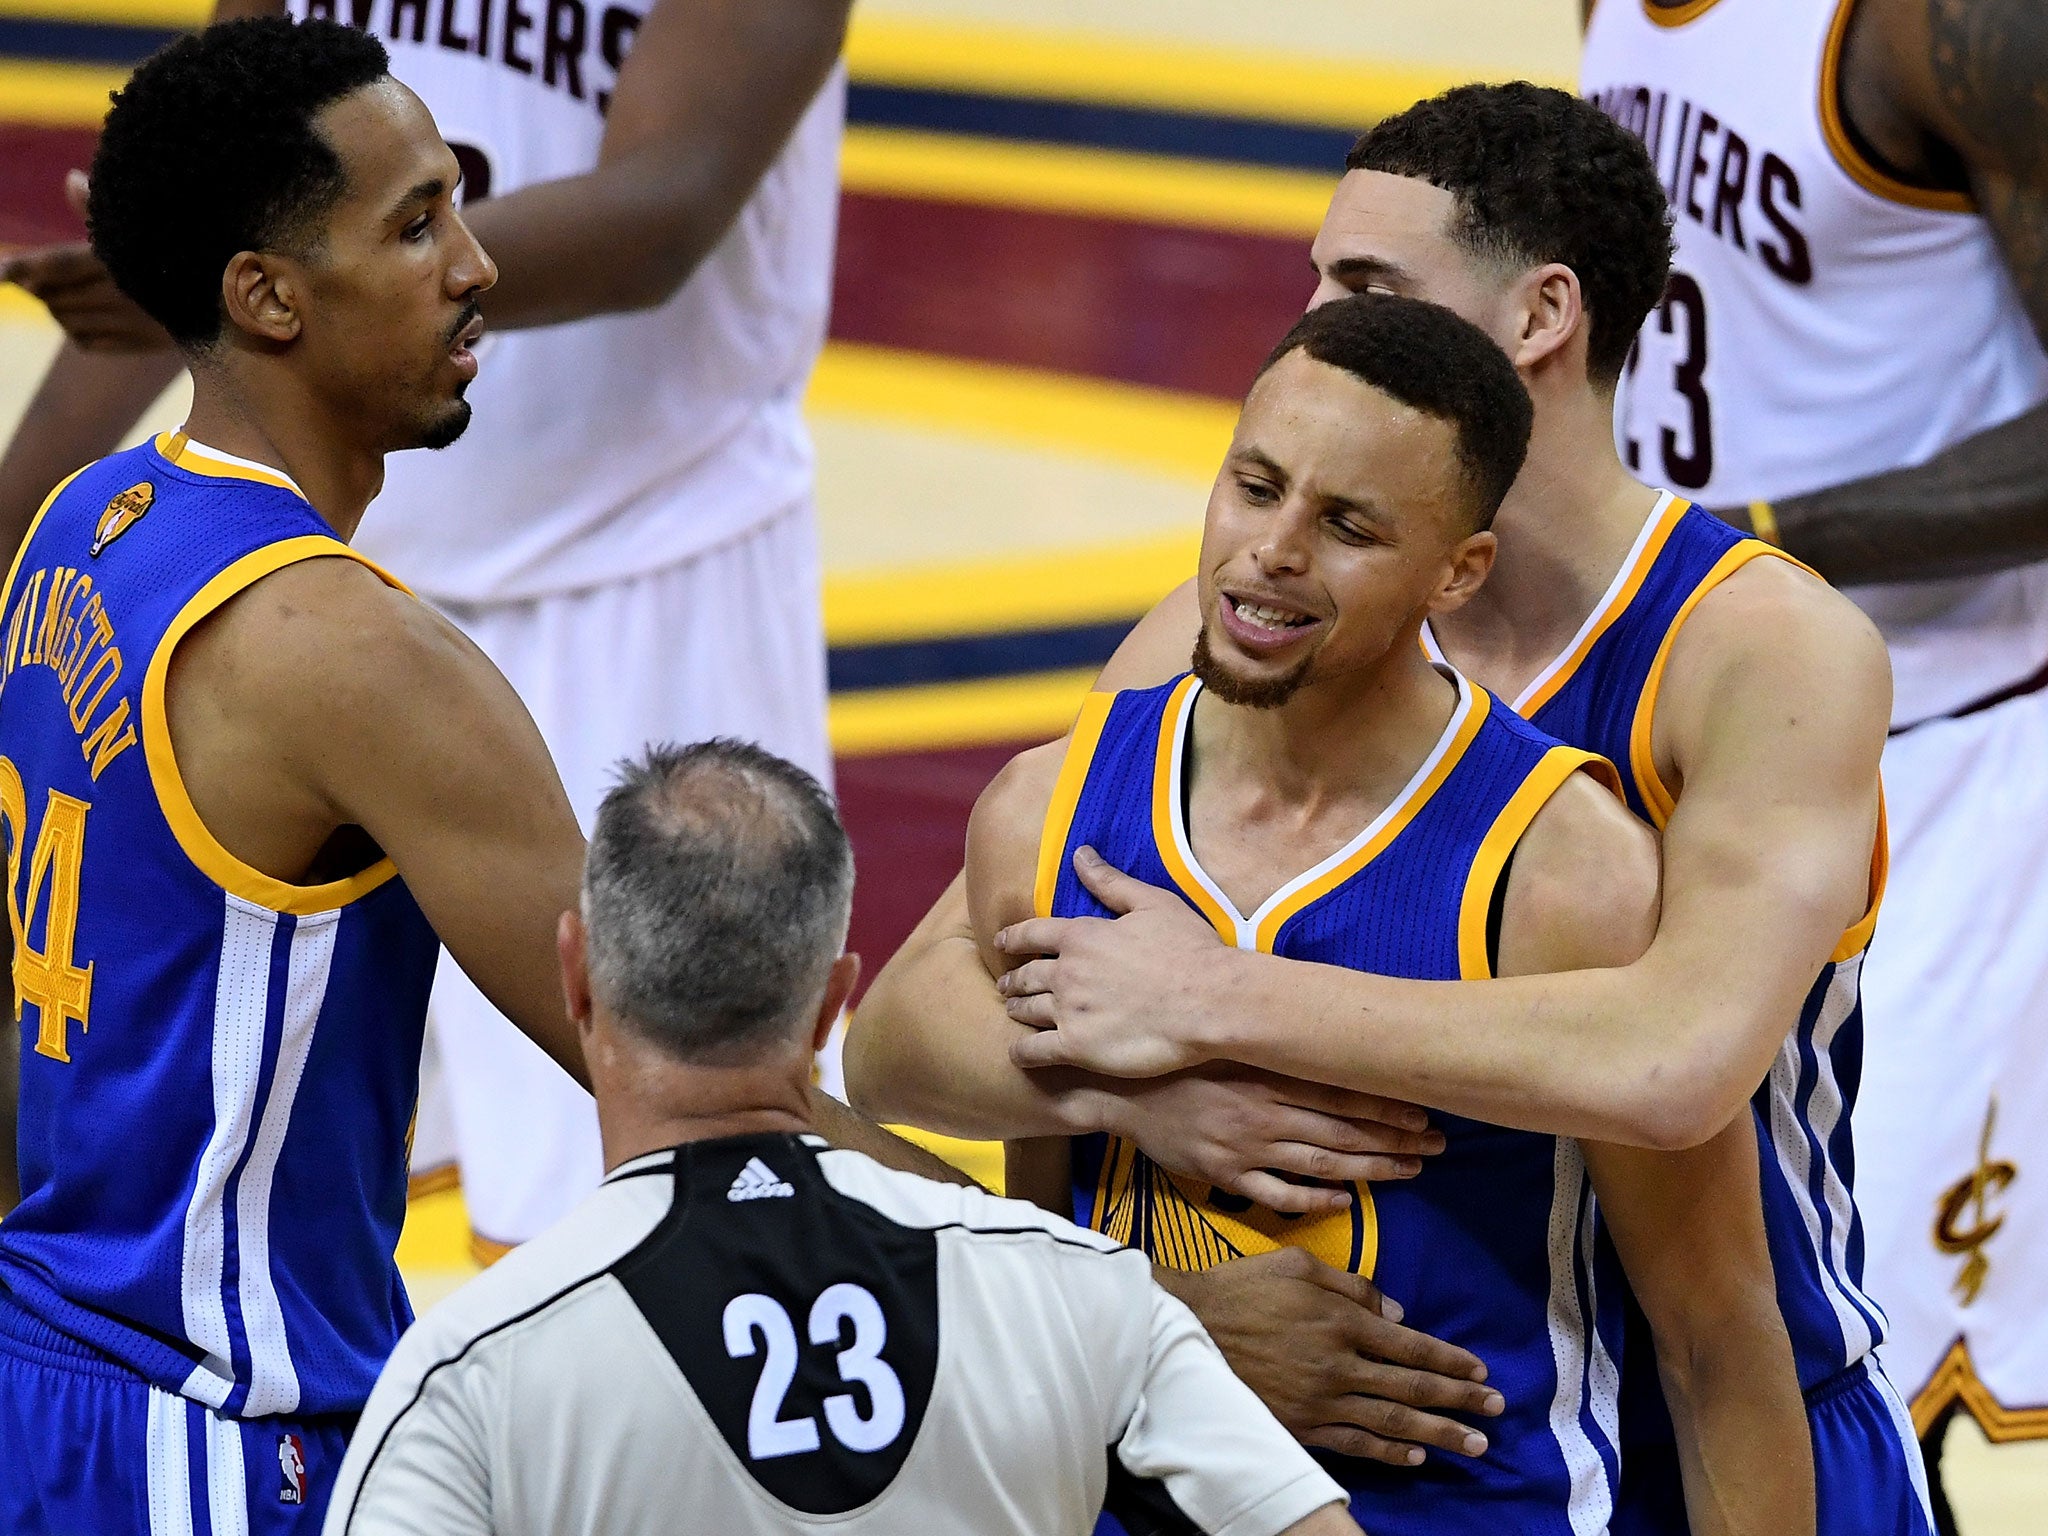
(705, 101)
(1689, 1229)
(381, 714)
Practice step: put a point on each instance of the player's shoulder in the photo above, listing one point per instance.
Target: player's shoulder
(1584, 890)
(1774, 631)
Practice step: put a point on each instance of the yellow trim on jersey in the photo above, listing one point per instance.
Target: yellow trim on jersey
(1955, 1380)
(194, 458)
(1269, 926)
(1842, 144)
(1163, 791)
(1678, 15)
(1548, 776)
(1642, 758)
(204, 850)
(1617, 605)
(1066, 795)
(21, 549)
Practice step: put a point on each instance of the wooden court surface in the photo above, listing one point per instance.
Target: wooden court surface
(1070, 230)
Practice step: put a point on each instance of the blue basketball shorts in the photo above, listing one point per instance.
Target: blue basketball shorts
(88, 1448)
(1868, 1476)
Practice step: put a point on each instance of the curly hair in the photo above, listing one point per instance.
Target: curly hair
(210, 150)
(1432, 360)
(1539, 176)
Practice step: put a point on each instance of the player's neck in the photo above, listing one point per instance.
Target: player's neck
(274, 421)
(1344, 747)
(647, 1100)
(1566, 527)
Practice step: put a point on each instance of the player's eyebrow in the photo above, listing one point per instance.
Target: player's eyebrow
(1258, 459)
(418, 195)
(1357, 271)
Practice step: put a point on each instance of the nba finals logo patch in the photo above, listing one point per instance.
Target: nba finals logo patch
(122, 513)
(291, 1461)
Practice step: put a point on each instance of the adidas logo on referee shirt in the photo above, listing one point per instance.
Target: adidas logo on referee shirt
(757, 1181)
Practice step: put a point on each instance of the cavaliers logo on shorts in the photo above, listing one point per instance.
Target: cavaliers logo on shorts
(1191, 1225)
(122, 513)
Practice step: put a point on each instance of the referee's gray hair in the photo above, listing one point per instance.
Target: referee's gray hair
(716, 895)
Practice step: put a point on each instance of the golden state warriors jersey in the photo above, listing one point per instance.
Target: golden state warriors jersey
(1491, 1246)
(218, 1069)
(1602, 695)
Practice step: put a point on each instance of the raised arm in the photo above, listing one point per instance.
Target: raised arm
(703, 106)
(1963, 75)
(1688, 1226)
(1775, 704)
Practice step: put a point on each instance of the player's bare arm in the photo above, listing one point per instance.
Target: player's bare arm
(417, 747)
(930, 1047)
(1688, 1226)
(704, 103)
(1949, 91)
(1322, 1348)
(1772, 716)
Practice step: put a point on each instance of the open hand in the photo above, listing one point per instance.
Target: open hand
(1326, 1352)
(1124, 998)
(1247, 1131)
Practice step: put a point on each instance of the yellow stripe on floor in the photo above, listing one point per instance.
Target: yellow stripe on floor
(1037, 706)
(1052, 178)
(1182, 434)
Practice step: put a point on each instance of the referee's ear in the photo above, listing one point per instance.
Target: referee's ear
(838, 988)
(569, 945)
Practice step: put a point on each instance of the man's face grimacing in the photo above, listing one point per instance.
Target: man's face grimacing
(1392, 234)
(1340, 520)
(390, 308)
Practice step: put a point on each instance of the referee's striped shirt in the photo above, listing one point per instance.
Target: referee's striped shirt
(764, 1334)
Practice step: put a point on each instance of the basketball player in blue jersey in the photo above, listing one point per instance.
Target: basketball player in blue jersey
(1318, 789)
(249, 786)
(1746, 705)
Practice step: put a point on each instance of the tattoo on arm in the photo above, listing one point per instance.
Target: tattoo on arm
(1977, 507)
(1990, 64)
(1982, 504)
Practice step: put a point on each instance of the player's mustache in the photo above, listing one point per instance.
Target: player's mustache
(470, 311)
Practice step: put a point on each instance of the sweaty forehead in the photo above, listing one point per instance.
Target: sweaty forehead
(1343, 437)
(387, 143)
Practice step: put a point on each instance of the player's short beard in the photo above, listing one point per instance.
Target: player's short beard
(452, 424)
(1267, 693)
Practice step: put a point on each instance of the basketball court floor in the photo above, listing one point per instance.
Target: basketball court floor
(1070, 230)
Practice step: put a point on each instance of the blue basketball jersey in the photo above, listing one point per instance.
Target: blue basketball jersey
(1491, 1247)
(218, 1069)
(1602, 695)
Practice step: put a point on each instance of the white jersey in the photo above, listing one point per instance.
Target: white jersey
(1825, 322)
(759, 1335)
(609, 447)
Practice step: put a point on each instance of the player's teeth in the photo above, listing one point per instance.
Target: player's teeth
(1270, 618)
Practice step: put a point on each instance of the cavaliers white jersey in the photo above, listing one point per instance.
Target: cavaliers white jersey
(608, 447)
(758, 1335)
(1824, 321)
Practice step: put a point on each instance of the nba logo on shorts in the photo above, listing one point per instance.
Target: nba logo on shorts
(291, 1461)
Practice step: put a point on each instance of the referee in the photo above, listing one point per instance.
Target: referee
(745, 1330)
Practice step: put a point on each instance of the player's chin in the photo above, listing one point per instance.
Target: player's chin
(448, 425)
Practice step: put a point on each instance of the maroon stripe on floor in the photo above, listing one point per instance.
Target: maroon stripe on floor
(32, 166)
(1176, 308)
(906, 814)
